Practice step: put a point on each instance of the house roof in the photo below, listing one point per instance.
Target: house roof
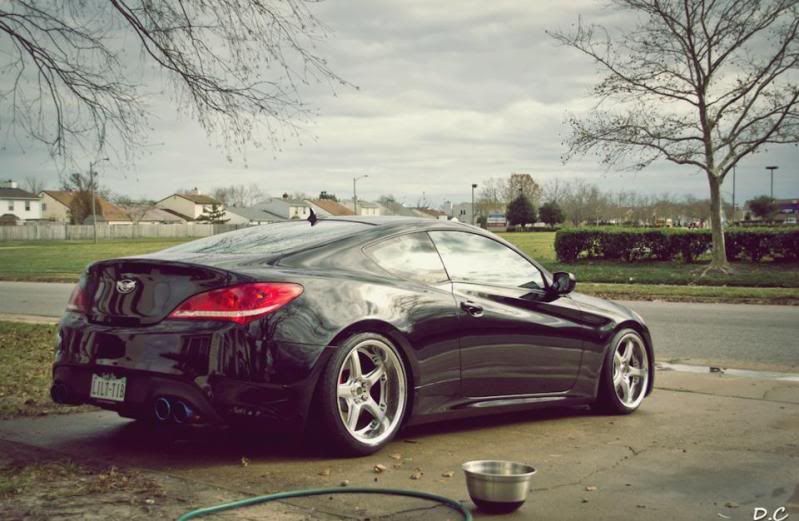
(152, 214)
(16, 193)
(254, 213)
(332, 207)
(397, 209)
(431, 212)
(195, 198)
(110, 211)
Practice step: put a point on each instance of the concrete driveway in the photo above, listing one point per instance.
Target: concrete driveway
(702, 447)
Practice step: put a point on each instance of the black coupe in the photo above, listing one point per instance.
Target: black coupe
(354, 325)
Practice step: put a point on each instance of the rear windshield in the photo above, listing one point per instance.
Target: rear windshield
(271, 238)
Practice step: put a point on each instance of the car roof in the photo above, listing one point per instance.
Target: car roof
(386, 221)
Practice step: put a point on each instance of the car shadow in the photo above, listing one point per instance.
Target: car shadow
(188, 446)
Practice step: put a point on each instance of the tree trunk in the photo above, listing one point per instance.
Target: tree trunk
(719, 251)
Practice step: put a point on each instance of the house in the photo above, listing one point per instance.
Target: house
(430, 213)
(496, 221)
(56, 205)
(395, 208)
(251, 215)
(462, 212)
(365, 208)
(189, 206)
(286, 207)
(329, 208)
(787, 211)
(149, 214)
(25, 206)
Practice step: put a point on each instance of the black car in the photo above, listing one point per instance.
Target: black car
(354, 325)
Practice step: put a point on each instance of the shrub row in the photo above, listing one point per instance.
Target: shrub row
(632, 244)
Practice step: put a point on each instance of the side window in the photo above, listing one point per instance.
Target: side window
(411, 256)
(474, 258)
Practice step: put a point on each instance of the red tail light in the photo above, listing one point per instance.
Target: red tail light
(240, 304)
(78, 301)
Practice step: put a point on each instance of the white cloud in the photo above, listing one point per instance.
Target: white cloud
(449, 94)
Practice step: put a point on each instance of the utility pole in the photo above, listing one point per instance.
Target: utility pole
(733, 194)
(771, 169)
(355, 192)
(91, 184)
(474, 185)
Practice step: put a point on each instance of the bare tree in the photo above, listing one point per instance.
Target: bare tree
(525, 184)
(33, 184)
(700, 83)
(235, 65)
(238, 195)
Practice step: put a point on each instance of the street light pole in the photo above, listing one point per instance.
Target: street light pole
(91, 185)
(733, 194)
(474, 185)
(771, 169)
(355, 192)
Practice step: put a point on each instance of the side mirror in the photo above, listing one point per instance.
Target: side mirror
(563, 283)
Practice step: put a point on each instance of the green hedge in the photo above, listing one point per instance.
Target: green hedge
(632, 244)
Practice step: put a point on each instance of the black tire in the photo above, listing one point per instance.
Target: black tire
(329, 406)
(608, 400)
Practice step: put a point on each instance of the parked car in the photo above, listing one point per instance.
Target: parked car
(355, 325)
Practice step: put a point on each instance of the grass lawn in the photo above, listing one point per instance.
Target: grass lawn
(26, 358)
(540, 246)
(55, 261)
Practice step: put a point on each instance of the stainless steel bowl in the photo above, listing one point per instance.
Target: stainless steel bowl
(497, 486)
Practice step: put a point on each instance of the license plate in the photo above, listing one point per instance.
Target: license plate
(108, 388)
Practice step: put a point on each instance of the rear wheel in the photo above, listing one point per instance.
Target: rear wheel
(625, 374)
(362, 395)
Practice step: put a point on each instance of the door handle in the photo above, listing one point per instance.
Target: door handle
(473, 309)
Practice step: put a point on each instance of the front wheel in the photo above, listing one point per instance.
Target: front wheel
(362, 395)
(625, 374)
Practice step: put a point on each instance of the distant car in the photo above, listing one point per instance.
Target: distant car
(356, 326)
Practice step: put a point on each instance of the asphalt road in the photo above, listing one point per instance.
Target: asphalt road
(727, 335)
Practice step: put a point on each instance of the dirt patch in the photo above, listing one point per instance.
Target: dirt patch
(37, 485)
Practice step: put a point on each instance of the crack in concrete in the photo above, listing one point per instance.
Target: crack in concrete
(688, 391)
(595, 471)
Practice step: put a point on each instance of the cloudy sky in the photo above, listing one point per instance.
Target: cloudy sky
(449, 93)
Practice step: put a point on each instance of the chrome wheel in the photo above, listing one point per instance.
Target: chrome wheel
(371, 392)
(630, 370)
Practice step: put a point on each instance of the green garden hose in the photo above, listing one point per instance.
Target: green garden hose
(449, 503)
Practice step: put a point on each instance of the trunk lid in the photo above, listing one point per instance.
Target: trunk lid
(140, 291)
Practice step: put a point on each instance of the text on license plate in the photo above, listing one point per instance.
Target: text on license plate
(108, 388)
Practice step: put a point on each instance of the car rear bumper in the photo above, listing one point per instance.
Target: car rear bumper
(224, 373)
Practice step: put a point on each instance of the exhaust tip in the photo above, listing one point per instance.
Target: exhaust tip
(59, 393)
(182, 412)
(162, 409)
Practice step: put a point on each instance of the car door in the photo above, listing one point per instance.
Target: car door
(425, 309)
(516, 339)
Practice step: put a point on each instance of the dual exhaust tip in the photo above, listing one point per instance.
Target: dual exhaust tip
(175, 410)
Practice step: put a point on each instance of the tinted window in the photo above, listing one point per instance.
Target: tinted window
(474, 258)
(271, 238)
(410, 256)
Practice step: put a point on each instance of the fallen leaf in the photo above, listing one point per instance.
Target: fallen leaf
(397, 457)
(447, 474)
(325, 473)
(416, 475)
(345, 483)
(590, 488)
(244, 462)
(731, 504)
(379, 468)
